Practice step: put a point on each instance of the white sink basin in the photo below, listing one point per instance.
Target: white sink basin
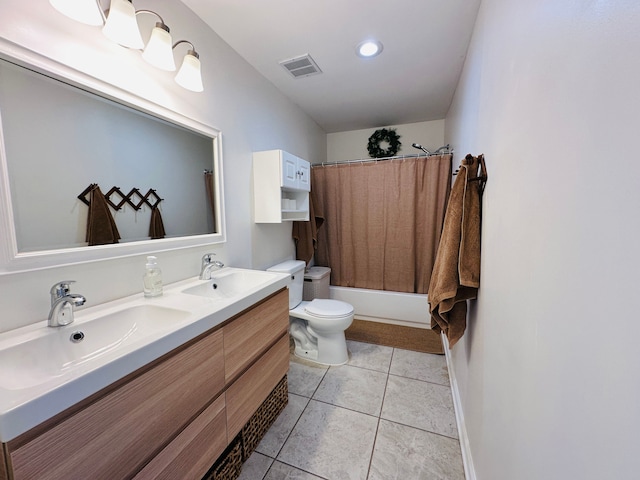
(229, 283)
(54, 351)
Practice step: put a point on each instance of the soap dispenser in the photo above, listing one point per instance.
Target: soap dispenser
(152, 278)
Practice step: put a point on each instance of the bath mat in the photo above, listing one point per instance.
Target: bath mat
(398, 336)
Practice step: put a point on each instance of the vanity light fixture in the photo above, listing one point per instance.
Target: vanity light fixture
(189, 76)
(120, 25)
(159, 51)
(369, 48)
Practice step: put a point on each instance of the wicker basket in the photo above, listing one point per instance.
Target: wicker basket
(259, 423)
(229, 465)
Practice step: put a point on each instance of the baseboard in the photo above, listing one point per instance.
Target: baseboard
(467, 461)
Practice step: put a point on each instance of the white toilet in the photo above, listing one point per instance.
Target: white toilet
(317, 326)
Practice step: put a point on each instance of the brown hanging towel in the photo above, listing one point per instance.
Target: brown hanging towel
(456, 272)
(101, 227)
(156, 227)
(305, 234)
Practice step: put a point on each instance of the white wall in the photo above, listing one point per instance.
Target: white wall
(352, 145)
(249, 111)
(547, 371)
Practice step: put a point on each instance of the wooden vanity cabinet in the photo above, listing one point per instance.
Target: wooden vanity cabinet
(169, 419)
(248, 336)
(4, 475)
(116, 435)
(192, 452)
(247, 393)
(246, 340)
(248, 346)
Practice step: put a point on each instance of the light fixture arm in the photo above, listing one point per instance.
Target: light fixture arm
(102, 12)
(192, 50)
(159, 24)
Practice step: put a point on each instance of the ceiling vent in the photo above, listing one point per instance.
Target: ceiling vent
(302, 66)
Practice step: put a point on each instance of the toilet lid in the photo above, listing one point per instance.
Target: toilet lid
(328, 308)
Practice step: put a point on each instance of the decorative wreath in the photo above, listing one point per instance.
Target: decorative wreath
(383, 135)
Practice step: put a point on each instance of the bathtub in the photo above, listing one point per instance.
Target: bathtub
(408, 309)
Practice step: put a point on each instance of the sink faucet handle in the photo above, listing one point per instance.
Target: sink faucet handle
(207, 258)
(61, 289)
(208, 263)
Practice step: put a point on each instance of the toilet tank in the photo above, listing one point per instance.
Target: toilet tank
(295, 268)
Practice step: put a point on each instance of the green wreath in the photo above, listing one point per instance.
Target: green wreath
(383, 135)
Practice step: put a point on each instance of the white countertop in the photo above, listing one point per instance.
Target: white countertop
(24, 407)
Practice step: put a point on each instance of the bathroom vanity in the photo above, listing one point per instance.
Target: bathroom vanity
(173, 416)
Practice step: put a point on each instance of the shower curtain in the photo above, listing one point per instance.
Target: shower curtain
(382, 221)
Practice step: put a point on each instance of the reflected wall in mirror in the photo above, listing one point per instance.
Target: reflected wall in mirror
(58, 138)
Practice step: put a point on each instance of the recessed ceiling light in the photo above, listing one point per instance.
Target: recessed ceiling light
(369, 48)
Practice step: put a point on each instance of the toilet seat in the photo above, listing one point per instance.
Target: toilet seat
(325, 308)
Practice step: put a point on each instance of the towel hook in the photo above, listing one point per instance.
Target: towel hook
(482, 175)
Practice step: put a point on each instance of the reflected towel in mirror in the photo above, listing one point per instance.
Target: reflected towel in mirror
(156, 227)
(101, 227)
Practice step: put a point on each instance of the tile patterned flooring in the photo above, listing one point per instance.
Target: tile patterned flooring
(387, 414)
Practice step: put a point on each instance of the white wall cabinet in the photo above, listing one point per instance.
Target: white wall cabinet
(295, 171)
(281, 185)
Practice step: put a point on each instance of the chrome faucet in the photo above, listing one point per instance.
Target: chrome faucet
(209, 264)
(62, 303)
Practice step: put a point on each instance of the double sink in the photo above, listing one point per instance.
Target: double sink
(44, 370)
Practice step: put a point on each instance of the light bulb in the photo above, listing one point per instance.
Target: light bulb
(158, 51)
(368, 49)
(189, 75)
(121, 25)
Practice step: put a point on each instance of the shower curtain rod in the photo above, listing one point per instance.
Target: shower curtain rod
(444, 150)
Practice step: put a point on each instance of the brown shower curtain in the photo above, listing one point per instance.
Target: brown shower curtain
(382, 221)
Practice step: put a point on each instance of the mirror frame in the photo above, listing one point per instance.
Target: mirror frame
(13, 261)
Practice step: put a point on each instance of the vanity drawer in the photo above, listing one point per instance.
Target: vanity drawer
(193, 451)
(249, 335)
(254, 386)
(117, 434)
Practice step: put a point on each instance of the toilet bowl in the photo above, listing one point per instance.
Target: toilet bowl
(317, 326)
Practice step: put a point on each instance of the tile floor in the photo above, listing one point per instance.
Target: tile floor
(388, 414)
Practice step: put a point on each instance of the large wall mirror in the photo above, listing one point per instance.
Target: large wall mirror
(62, 133)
